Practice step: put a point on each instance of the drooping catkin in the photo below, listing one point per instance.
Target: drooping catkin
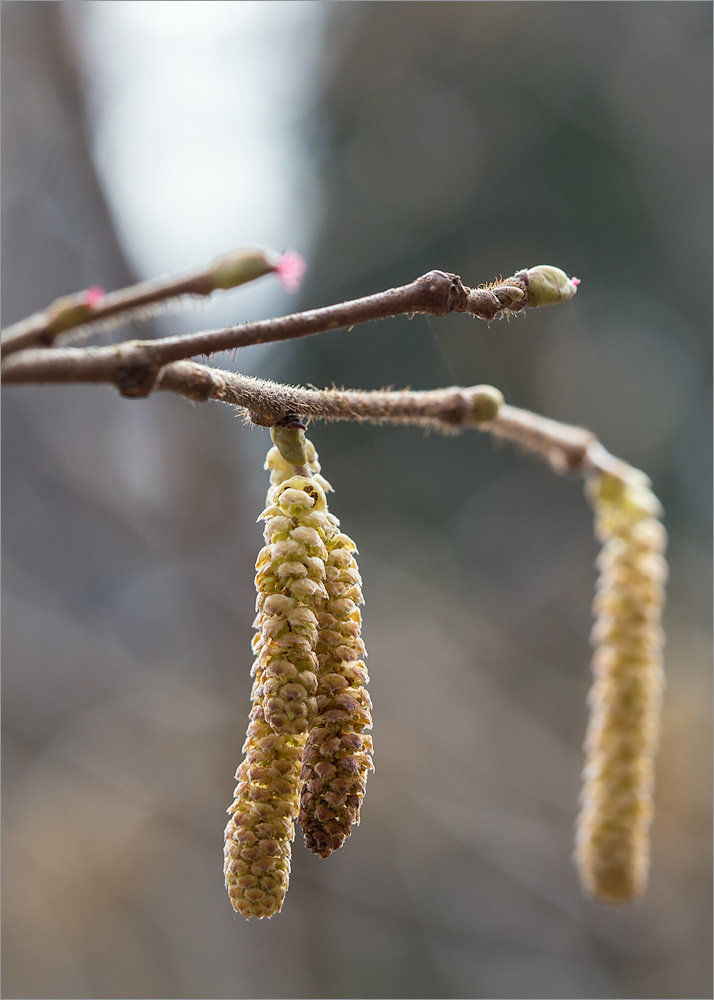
(289, 581)
(337, 756)
(612, 837)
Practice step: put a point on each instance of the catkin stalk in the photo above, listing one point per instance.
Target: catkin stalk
(612, 836)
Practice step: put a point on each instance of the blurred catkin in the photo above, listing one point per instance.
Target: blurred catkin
(612, 840)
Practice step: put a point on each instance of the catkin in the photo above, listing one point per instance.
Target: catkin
(289, 580)
(306, 752)
(612, 836)
(337, 756)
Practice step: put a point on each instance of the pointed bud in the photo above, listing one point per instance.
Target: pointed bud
(239, 267)
(548, 285)
(73, 310)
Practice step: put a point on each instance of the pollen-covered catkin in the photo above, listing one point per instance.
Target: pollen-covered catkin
(308, 675)
(337, 755)
(612, 840)
(291, 588)
(289, 580)
(261, 829)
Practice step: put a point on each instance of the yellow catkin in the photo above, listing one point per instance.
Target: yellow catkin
(612, 837)
(289, 581)
(308, 675)
(337, 756)
(261, 829)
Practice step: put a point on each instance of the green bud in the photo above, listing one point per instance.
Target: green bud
(486, 403)
(238, 268)
(548, 285)
(291, 443)
(68, 312)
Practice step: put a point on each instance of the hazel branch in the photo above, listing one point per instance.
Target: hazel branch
(92, 308)
(436, 293)
(565, 447)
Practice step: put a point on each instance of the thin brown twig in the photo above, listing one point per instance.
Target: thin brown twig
(436, 293)
(139, 367)
(86, 311)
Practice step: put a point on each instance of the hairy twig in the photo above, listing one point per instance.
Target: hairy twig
(436, 293)
(565, 447)
(92, 309)
(139, 367)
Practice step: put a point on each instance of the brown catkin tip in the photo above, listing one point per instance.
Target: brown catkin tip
(337, 756)
(612, 837)
(261, 829)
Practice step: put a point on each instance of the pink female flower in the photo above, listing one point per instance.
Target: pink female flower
(93, 296)
(290, 269)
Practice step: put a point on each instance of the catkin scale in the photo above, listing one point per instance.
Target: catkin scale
(612, 835)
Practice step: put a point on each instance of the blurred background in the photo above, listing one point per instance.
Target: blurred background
(380, 140)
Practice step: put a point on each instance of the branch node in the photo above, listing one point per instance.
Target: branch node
(137, 371)
(443, 292)
(482, 302)
(257, 417)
